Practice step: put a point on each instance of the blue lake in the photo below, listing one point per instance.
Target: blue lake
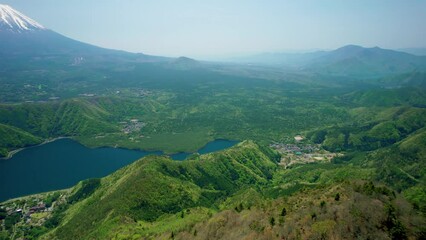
(63, 163)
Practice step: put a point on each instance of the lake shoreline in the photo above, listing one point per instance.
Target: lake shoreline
(62, 163)
(11, 153)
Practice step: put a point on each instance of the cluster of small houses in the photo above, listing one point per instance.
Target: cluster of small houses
(87, 94)
(137, 92)
(133, 126)
(301, 153)
(143, 93)
(294, 148)
(27, 212)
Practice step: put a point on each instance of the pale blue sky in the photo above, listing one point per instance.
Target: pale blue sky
(201, 28)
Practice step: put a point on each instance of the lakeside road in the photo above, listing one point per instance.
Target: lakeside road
(11, 153)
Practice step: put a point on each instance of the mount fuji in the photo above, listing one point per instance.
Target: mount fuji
(23, 39)
(23, 36)
(14, 21)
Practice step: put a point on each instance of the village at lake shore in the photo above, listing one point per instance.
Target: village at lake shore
(302, 153)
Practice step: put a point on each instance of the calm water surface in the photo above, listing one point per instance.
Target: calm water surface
(62, 163)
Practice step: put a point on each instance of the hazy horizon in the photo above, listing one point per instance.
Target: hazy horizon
(224, 29)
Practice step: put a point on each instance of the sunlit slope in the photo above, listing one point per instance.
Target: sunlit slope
(392, 142)
(372, 128)
(155, 187)
(12, 137)
(240, 193)
(41, 121)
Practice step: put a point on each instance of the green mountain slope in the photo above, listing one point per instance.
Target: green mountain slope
(393, 142)
(49, 120)
(240, 193)
(403, 166)
(356, 210)
(154, 187)
(372, 129)
(12, 137)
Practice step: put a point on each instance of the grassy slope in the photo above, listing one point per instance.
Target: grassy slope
(48, 120)
(240, 193)
(12, 137)
(177, 121)
(372, 128)
(403, 166)
(361, 210)
(157, 187)
(393, 141)
(183, 117)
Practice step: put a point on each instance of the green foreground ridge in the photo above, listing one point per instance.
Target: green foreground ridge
(332, 143)
(239, 193)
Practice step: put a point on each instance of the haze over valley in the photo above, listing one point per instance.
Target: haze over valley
(129, 137)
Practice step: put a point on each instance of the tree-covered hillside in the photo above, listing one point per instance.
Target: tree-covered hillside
(370, 123)
(237, 193)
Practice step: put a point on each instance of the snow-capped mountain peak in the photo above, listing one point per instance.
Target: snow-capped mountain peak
(12, 20)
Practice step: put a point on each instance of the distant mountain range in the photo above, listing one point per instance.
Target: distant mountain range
(349, 60)
(414, 51)
(23, 40)
(366, 62)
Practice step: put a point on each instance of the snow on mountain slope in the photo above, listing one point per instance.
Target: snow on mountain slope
(12, 20)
